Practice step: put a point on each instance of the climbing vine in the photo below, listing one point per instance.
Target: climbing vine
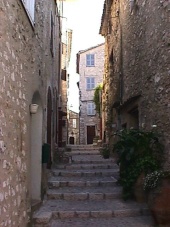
(96, 97)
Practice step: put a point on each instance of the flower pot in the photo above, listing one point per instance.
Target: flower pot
(159, 203)
(139, 192)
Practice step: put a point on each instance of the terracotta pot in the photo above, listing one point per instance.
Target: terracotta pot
(139, 193)
(159, 203)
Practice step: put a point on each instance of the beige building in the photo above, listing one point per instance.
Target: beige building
(137, 67)
(73, 128)
(30, 74)
(90, 66)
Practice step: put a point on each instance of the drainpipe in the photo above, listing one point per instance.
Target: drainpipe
(121, 70)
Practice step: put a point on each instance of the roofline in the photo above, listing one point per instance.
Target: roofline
(93, 47)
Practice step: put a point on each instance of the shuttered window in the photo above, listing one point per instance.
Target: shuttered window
(89, 60)
(91, 108)
(90, 83)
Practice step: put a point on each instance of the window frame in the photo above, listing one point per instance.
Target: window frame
(90, 83)
(91, 109)
(89, 61)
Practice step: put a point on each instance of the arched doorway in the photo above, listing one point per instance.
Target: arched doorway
(49, 118)
(36, 148)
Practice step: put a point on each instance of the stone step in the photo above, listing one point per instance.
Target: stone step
(82, 173)
(76, 160)
(83, 147)
(141, 221)
(56, 182)
(62, 209)
(91, 158)
(81, 194)
(87, 166)
(83, 152)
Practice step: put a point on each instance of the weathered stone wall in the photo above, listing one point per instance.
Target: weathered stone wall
(26, 68)
(144, 63)
(87, 95)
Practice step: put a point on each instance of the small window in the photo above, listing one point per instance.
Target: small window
(90, 83)
(30, 7)
(89, 60)
(91, 108)
(74, 123)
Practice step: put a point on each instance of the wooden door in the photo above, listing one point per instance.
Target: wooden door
(71, 140)
(90, 134)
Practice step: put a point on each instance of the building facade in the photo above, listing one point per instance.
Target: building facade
(73, 128)
(136, 91)
(64, 85)
(90, 66)
(30, 74)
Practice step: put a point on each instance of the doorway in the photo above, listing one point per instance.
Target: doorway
(71, 140)
(90, 134)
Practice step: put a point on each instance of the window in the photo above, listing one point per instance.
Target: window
(29, 6)
(90, 60)
(91, 108)
(90, 83)
(74, 123)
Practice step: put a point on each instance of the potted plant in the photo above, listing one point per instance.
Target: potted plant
(138, 153)
(105, 151)
(157, 185)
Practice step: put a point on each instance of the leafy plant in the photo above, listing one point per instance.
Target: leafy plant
(137, 152)
(105, 151)
(96, 97)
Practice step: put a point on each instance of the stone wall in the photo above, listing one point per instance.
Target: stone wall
(139, 38)
(87, 95)
(27, 71)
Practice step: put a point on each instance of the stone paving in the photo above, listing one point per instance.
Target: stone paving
(85, 193)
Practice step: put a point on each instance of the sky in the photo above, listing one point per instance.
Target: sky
(84, 18)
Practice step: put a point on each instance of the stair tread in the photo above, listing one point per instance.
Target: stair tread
(99, 189)
(56, 171)
(143, 221)
(84, 178)
(88, 205)
(87, 166)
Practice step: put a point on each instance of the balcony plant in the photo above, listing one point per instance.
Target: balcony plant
(138, 153)
(157, 185)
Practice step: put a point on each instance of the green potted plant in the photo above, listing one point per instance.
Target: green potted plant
(157, 185)
(138, 153)
(105, 151)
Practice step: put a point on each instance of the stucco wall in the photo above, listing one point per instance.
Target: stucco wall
(26, 68)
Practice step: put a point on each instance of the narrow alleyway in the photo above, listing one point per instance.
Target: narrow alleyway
(85, 193)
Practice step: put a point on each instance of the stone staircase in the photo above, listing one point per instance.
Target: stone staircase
(85, 193)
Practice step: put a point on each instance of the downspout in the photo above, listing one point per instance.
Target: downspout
(121, 70)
